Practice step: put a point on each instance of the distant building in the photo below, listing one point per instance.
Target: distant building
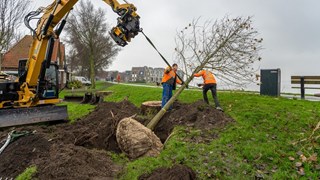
(141, 74)
(21, 49)
(127, 76)
(157, 75)
(111, 75)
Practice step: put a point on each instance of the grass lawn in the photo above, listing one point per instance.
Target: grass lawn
(77, 110)
(263, 143)
(259, 144)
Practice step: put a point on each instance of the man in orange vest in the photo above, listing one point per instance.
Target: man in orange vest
(168, 82)
(118, 78)
(209, 83)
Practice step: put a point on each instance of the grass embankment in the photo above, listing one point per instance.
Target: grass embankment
(259, 144)
(264, 141)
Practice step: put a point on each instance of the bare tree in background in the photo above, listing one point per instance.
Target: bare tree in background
(229, 46)
(12, 14)
(87, 34)
(233, 63)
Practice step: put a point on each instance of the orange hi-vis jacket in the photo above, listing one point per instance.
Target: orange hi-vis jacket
(169, 76)
(207, 77)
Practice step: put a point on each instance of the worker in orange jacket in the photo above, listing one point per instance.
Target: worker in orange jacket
(168, 82)
(209, 83)
(118, 78)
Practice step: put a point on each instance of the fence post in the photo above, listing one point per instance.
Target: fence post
(302, 87)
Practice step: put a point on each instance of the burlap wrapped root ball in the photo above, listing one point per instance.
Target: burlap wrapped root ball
(136, 140)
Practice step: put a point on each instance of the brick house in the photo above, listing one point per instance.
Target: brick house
(21, 51)
(18, 51)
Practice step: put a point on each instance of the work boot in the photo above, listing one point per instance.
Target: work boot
(219, 108)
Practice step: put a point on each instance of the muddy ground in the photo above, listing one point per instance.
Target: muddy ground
(80, 150)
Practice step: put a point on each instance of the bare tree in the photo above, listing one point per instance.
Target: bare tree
(88, 36)
(12, 13)
(229, 46)
(233, 63)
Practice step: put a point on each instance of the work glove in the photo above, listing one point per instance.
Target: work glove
(168, 69)
(187, 86)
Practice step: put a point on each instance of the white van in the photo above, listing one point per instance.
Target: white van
(83, 80)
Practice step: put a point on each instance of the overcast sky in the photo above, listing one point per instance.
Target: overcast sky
(290, 29)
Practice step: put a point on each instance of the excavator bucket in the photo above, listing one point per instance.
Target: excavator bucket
(22, 116)
(73, 98)
(97, 98)
(87, 98)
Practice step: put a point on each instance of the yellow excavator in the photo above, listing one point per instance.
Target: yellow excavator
(32, 98)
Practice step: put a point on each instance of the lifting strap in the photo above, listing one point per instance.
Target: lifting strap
(164, 59)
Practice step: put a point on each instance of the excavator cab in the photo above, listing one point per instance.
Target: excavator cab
(48, 87)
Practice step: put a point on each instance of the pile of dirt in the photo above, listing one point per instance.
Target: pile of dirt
(76, 162)
(69, 151)
(177, 172)
(198, 115)
(79, 150)
(98, 129)
(20, 154)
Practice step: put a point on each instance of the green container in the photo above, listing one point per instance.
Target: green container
(270, 82)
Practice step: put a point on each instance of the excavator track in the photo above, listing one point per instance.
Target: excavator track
(31, 115)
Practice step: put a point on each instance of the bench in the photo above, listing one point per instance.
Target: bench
(305, 80)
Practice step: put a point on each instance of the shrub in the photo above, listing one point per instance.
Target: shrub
(74, 84)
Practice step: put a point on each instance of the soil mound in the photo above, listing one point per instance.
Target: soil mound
(78, 151)
(198, 115)
(98, 129)
(69, 151)
(76, 162)
(20, 154)
(177, 172)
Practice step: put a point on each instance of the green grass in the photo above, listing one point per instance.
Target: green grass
(136, 96)
(100, 85)
(77, 110)
(259, 144)
(27, 174)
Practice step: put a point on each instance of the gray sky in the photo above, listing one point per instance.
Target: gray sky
(290, 29)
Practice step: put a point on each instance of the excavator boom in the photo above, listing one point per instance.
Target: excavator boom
(31, 98)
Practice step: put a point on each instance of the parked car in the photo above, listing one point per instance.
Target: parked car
(83, 80)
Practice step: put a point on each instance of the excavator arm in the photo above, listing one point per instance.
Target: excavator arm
(31, 89)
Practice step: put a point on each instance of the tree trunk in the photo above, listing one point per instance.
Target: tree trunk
(150, 107)
(92, 72)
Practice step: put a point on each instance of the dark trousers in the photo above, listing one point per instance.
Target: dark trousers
(166, 93)
(213, 88)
